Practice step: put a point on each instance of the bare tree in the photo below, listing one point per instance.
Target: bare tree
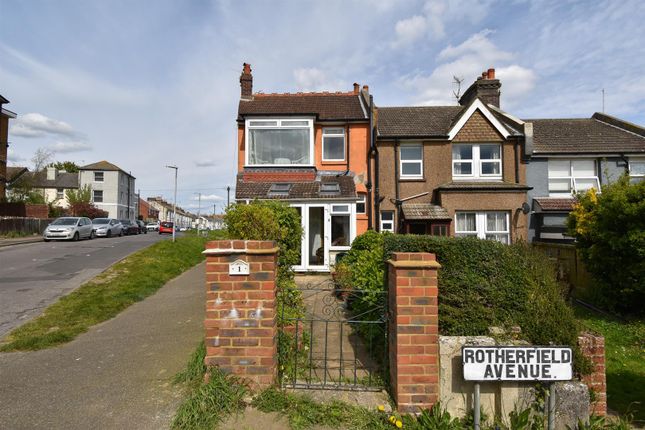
(42, 157)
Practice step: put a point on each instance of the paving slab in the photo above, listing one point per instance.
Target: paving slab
(118, 375)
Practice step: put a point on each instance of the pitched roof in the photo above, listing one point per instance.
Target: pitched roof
(417, 121)
(15, 172)
(548, 204)
(324, 106)
(62, 180)
(412, 211)
(598, 134)
(303, 190)
(102, 165)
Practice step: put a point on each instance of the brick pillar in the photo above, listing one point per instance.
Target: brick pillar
(241, 310)
(413, 330)
(593, 347)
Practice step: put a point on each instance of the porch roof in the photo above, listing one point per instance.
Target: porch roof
(550, 204)
(299, 190)
(424, 211)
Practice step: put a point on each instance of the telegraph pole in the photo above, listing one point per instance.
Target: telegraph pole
(199, 207)
(174, 205)
(228, 196)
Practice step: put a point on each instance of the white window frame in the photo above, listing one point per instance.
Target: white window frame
(343, 209)
(636, 160)
(481, 226)
(60, 195)
(571, 177)
(281, 123)
(329, 134)
(382, 221)
(414, 161)
(102, 176)
(94, 196)
(476, 163)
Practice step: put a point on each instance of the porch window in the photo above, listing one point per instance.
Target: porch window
(567, 177)
(387, 221)
(411, 164)
(279, 142)
(484, 225)
(340, 226)
(333, 144)
(482, 161)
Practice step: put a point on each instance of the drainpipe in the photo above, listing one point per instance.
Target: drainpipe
(368, 185)
(396, 183)
(517, 160)
(377, 191)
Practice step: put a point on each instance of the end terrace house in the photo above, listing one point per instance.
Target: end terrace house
(112, 189)
(453, 170)
(309, 150)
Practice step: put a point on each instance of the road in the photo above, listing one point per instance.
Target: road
(32, 276)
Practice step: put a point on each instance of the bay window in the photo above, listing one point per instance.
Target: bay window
(567, 177)
(480, 161)
(411, 161)
(276, 142)
(484, 225)
(333, 144)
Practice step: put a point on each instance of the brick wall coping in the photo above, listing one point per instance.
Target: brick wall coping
(419, 264)
(226, 251)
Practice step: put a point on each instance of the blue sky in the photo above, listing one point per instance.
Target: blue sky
(145, 84)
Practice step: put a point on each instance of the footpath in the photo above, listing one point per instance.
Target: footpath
(118, 375)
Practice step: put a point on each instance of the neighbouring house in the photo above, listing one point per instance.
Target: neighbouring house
(112, 189)
(53, 185)
(147, 212)
(311, 151)
(217, 222)
(570, 156)
(14, 173)
(453, 170)
(165, 210)
(5, 116)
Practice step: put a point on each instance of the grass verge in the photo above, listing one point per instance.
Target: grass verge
(625, 361)
(105, 296)
(207, 404)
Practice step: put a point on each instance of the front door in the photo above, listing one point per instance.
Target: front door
(316, 255)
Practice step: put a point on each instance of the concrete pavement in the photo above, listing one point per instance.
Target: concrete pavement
(116, 376)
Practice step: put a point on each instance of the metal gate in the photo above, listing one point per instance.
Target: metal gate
(339, 342)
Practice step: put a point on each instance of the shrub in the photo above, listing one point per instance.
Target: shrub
(87, 209)
(610, 232)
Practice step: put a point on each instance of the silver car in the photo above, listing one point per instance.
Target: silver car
(71, 228)
(107, 227)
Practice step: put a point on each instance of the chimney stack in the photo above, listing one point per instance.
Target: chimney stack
(246, 82)
(356, 88)
(486, 88)
(51, 173)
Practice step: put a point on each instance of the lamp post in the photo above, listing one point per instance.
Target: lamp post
(174, 205)
(199, 207)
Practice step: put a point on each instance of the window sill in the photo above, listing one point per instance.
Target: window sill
(334, 162)
(412, 179)
(478, 178)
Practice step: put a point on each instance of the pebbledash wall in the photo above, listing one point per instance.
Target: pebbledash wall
(424, 367)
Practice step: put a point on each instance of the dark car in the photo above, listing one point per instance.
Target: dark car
(129, 227)
(142, 226)
(165, 227)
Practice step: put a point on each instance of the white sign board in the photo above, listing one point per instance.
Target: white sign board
(516, 363)
(238, 267)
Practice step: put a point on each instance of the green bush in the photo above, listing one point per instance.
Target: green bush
(610, 232)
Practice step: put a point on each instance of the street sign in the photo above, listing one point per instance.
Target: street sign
(238, 267)
(517, 363)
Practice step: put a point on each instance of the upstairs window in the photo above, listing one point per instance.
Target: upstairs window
(411, 161)
(98, 176)
(60, 193)
(481, 161)
(333, 144)
(279, 142)
(567, 177)
(637, 169)
(97, 196)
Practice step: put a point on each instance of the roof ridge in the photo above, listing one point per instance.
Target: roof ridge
(416, 107)
(311, 93)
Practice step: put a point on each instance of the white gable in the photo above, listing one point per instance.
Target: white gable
(477, 105)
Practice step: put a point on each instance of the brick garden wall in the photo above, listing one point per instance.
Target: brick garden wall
(593, 347)
(240, 310)
(414, 327)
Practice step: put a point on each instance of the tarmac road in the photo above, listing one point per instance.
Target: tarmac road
(32, 276)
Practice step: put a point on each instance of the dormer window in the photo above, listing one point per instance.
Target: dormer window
(279, 142)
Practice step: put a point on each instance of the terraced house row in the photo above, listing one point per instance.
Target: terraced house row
(469, 169)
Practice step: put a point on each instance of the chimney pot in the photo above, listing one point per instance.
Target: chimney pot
(491, 73)
(356, 87)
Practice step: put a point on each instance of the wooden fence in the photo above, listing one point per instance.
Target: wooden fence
(571, 269)
(23, 225)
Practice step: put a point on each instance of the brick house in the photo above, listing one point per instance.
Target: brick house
(569, 156)
(310, 150)
(5, 116)
(453, 170)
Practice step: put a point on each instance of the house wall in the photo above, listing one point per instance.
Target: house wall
(115, 192)
(437, 170)
(4, 137)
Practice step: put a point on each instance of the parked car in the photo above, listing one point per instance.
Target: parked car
(152, 226)
(142, 227)
(71, 228)
(107, 227)
(166, 227)
(129, 227)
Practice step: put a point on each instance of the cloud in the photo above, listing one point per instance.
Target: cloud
(14, 157)
(66, 147)
(33, 125)
(205, 163)
(208, 197)
(314, 79)
(409, 30)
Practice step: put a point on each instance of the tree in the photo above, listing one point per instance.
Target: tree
(42, 157)
(82, 195)
(68, 166)
(609, 228)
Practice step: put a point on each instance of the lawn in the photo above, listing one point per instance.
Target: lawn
(625, 361)
(105, 296)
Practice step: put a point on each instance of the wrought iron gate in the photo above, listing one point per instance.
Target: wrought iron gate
(339, 342)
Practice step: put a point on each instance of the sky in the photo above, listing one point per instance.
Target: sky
(145, 84)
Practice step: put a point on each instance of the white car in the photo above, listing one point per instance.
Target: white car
(107, 227)
(153, 226)
(69, 228)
